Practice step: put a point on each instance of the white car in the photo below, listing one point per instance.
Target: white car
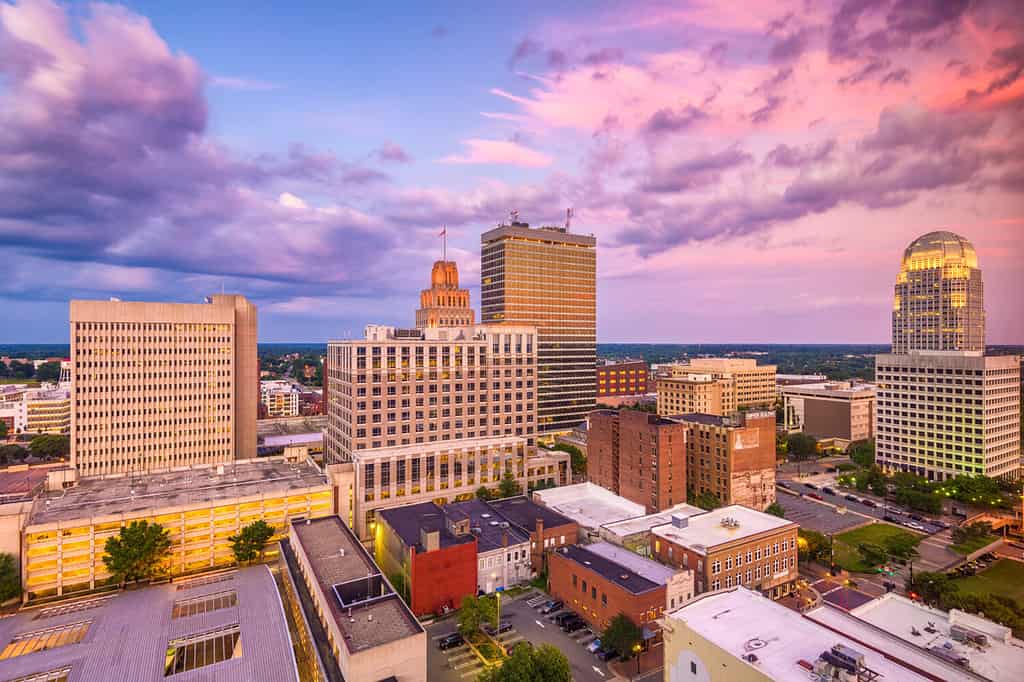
(914, 524)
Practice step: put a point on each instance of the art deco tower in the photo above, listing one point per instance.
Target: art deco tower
(444, 304)
(939, 297)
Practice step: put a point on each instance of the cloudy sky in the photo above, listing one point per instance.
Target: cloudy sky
(752, 173)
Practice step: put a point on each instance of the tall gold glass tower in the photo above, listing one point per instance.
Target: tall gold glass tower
(939, 296)
(546, 278)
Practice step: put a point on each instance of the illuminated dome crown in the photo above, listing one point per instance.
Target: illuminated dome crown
(937, 249)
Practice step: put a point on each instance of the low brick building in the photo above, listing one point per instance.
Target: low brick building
(601, 581)
(639, 456)
(732, 457)
(548, 529)
(732, 546)
(428, 555)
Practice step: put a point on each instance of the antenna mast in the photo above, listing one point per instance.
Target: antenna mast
(569, 213)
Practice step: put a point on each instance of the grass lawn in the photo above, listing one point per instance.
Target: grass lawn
(845, 544)
(1005, 577)
(973, 545)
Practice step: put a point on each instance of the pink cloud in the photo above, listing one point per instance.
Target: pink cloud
(499, 152)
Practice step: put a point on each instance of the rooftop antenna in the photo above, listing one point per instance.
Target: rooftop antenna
(569, 213)
(513, 216)
(444, 242)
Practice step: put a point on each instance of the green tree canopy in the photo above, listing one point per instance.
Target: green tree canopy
(811, 545)
(250, 541)
(933, 588)
(10, 580)
(577, 459)
(483, 493)
(137, 552)
(3, 429)
(50, 446)
(526, 664)
(620, 635)
(801, 445)
(705, 500)
(775, 509)
(475, 611)
(508, 487)
(12, 453)
(862, 452)
(48, 371)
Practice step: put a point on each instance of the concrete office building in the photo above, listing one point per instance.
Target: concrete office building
(731, 457)
(162, 385)
(947, 414)
(939, 296)
(444, 304)
(546, 278)
(228, 626)
(400, 387)
(688, 393)
(360, 628)
(731, 546)
(36, 410)
(841, 410)
(741, 382)
(63, 537)
(639, 456)
(281, 398)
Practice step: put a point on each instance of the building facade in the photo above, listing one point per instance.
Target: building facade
(281, 398)
(947, 414)
(939, 296)
(400, 387)
(841, 410)
(628, 377)
(162, 385)
(688, 393)
(749, 384)
(546, 278)
(732, 546)
(639, 456)
(444, 304)
(731, 457)
(548, 530)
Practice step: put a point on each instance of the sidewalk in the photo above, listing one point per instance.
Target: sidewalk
(650, 662)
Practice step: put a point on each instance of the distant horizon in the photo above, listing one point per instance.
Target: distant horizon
(599, 343)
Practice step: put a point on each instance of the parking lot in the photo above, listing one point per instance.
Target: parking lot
(900, 517)
(815, 516)
(461, 664)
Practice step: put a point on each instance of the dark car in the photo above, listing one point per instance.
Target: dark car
(503, 626)
(574, 624)
(828, 491)
(607, 655)
(564, 616)
(916, 517)
(552, 605)
(811, 486)
(869, 503)
(782, 484)
(890, 518)
(851, 498)
(450, 642)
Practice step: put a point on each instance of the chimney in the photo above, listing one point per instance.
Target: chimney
(430, 539)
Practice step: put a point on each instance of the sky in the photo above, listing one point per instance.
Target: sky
(752, 171)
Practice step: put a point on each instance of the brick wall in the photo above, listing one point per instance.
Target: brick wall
(602, 599)
(443, 576)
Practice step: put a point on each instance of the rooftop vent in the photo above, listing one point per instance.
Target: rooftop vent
(624, 576)
(341, 551)
(680, 521)
(729, 522)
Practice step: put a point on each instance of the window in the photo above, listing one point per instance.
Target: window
(50, 638)
(201, 650)
(693, 667)
(59, 675)
(210, 602)
(75, 607)
(206, 580)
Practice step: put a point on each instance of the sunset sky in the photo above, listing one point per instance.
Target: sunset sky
(752, 175)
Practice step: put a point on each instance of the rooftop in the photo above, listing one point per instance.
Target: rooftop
(642, 524)
(409, 521)
(22, 484)
(129, 496)
(345, 571)
(608, 569)
(588, 504)
(129, 633)
(835, 389)
(652, 570)
(492, 535)
(525, 513)
(720, 526)
(544, 233)
(283, 426)
(895, 617)
(742, 622)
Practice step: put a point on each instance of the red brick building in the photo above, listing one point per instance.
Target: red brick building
(428, 556)
(639, 456)
(548, 529)
(631, 377)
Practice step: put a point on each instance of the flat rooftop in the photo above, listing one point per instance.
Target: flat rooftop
(129, 632)
(720, 526)
(742, 621)
(23, 484)
(293, 439)
(142, 493)
(642, 524)
(608, 569)
(409, 521)
(283, 426)
(652, 570)
(588, 504)
(380, 616)
(525, 513)
(705, 419)
(830, 389)
(491, 535)
(896, 616)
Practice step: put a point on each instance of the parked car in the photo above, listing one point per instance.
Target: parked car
(552, 605)
(851, 498)
(503, 626)
(564, 616)
(782, 484)
(450, 642)
(828, 491)
(594, 646)
(814, 496)
(914, 524)
(606, 655)
(916, 517)
(811, 486)
(893, 509)
(890, 518)
(574, 624)
(868, 503)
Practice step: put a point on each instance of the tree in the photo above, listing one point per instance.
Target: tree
(484, 493)
(811, 545)
(902, 546)
(933, 588)
(48, 371)
(975, 531)
(508, 487)
(776, 509)
(705, 500)
(137, 552)
(50, 446)
(526, 664)
(10, 581)
(550, 664)
(620, 635)
(12, 453)
(577, 459)
(475, 611)
(801, 445)
(3, 429)
(22, 370)
(862, 452)
(250, 541)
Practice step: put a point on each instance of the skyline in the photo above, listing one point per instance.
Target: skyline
(752, 176)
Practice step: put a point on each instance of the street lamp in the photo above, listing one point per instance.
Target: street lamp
(636, 652)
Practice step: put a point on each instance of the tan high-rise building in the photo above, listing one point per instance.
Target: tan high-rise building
(444, 304)
(546, 278)
(753, 385)
(162, 385)
(703, 393)
(939, 296)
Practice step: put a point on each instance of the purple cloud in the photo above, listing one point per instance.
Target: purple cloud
(694, 172)
(673, 121)
(527, 47)
(896, 76)
(606, 55)
(392, 153)
(901, 21)
(785, 156)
